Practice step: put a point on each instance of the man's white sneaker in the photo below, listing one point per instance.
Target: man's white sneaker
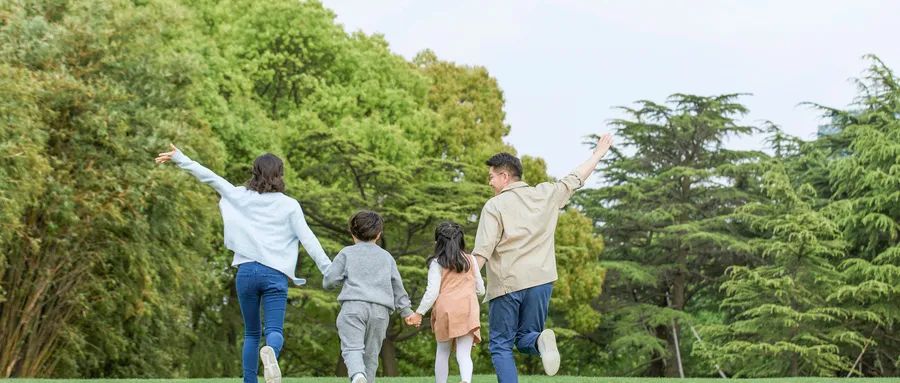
(270, 365)
(359, 378)
(546, 344)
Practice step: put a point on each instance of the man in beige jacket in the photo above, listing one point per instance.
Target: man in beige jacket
(515, 239)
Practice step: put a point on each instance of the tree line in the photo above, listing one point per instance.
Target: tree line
(784, 262)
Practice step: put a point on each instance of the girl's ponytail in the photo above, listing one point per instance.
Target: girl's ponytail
(449, 242)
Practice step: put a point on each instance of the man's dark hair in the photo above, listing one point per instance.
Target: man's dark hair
(366, 225)
(506, 162)
(267, 173)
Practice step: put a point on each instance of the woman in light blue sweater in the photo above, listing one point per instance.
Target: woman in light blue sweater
(262, 227)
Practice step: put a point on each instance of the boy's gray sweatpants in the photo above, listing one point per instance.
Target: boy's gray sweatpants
(362, 327)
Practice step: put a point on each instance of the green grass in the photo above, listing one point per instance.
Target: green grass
(483, 379)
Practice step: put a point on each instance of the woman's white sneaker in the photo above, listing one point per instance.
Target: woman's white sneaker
(270, 365)
(546, 344)
(359, 378)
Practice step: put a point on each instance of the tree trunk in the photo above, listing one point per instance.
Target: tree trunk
(679, 365)
(795, 364)
(40, 302)
(340, 368)
(676, 302)
(389, 358)
(658, 365)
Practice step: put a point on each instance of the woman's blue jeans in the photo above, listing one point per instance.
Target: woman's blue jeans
(260, 285)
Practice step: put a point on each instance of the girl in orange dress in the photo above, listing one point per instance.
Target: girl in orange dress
(454, 281)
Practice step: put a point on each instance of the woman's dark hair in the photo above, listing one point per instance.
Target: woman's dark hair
(366, 225)
(449, 243)
(267, 174)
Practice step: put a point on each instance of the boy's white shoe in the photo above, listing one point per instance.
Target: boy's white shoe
(359, 378)
(270, 365)
(546, 344)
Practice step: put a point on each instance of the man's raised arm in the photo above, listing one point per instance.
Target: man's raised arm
(584, 170)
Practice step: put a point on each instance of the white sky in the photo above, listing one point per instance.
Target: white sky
(564, 65)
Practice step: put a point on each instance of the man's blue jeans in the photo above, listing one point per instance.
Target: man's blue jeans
(259, 284)
(516, 319)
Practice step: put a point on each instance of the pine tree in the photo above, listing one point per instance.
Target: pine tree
(863, 174)
(663, 219)
(779, 321)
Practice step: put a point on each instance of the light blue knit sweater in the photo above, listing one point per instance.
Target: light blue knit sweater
(260, 227)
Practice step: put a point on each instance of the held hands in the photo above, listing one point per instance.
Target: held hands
(603, 145)
(167, 156)
(414, 320)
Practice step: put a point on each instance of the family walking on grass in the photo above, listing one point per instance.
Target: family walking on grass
(515, 239)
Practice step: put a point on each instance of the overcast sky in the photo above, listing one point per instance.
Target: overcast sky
(564, 65)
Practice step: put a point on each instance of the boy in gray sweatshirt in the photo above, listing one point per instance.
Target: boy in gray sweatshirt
(372, 289)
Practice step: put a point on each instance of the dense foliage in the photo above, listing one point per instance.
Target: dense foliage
(113, 267)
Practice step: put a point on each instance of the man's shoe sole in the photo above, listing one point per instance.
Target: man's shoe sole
(546, 343)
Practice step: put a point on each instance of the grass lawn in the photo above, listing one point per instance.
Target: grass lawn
(483, 379)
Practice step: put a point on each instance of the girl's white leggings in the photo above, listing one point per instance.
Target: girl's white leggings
(463, 357)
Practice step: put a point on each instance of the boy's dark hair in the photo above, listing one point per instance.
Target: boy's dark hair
(449, 242)
(507, 162)
(365, 225)
(267, 173)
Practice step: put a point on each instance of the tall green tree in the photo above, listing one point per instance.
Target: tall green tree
(779, 320)
(669, 188)
(863, 175)
(100, 262)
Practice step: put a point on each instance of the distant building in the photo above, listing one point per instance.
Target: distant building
(833, 127)
(827, 130)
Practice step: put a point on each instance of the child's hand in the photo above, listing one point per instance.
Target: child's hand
(165, 157)
(414, 320)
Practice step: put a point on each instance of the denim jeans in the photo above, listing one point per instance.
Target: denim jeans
(516, 319)
(259, 284)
